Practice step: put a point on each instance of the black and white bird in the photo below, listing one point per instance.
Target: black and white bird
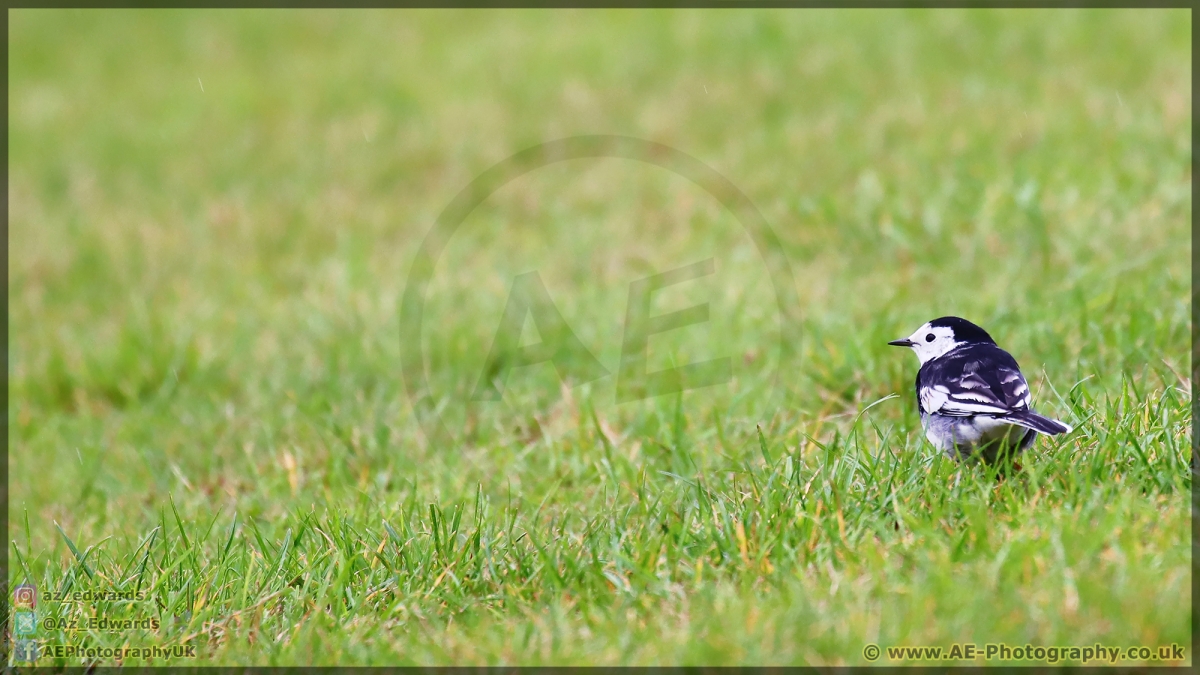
(974, 401)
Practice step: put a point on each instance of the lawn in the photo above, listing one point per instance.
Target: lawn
(230, 428)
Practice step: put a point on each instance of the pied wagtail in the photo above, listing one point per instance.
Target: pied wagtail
(974, 401)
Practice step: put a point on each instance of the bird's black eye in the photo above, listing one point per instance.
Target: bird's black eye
(929, 337)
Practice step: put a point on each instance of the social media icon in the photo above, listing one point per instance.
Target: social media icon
(24, 623)
(25, 596)
(26, 650)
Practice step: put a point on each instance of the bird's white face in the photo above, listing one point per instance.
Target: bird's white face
(929, 342)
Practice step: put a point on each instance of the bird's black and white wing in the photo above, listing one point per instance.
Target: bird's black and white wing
(973, 380)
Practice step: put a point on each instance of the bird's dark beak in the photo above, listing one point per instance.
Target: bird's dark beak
(901, 343)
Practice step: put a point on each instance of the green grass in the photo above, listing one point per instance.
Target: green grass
(212, 216)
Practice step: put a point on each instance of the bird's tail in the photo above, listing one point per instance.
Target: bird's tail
(1032, 420)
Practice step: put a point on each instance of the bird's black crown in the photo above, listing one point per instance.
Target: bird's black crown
(964, 331)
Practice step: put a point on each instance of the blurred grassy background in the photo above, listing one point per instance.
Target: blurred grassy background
(211, 216)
